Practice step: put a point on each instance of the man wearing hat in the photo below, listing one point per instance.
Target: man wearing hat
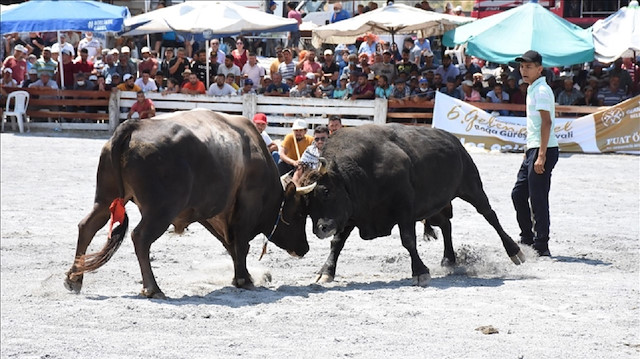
(128, 84)
(260, 121)
(93, 46)
(58, 47)
(69, 70)
(330, 67)
(293, 146)
(148, 62)
(32, 77)
(44, 81)
(247, 87)
(7, 79)
(530, 194)
(17, 63)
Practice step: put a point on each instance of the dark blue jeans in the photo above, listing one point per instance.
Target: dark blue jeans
(530, 196)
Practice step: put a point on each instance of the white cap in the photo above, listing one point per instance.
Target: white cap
(428, 53)
(7, 69)
(93, 78)
(371, 76)
(458, 8)
(311, 76)
(21, 48)
(299, 125)
(465, 82)
(126, 77)
(145, 49)
(328, 52)
(125, 49)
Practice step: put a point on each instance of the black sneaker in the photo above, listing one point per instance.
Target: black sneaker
(542, 248)
(526, 241)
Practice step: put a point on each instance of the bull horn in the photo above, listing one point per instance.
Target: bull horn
(285, 179)
(306, 189)
(323, 165)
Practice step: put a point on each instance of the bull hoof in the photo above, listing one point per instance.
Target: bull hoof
(519, 258)
(152, 294)
(73, 282)
(422, 280)
(324, 278)
(446, 262)
(243, 283)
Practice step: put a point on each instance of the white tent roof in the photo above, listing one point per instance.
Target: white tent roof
(617, 34)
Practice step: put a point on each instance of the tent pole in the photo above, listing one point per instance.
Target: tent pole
(206, 42)
(60, 62)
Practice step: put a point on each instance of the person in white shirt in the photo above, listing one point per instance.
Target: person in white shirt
(215, 48)
(252, 70)
(63, 45)
(221, 88)
(145, 82)
(93, 45)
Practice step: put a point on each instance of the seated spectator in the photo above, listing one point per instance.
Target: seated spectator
(101, 83)
(469, 93)
(142, 108)
(172, 86)
(452, 89)
(266, 82)
(326, 87)
(613, 94)
(478, 85)
(247, 87)
(221, 88)
(128, 84)
(115, 81)
(304, 86)
(569, 95)
(497, 95)
(277, 88)
(352, 65)
(232, 81)
(341, 92)
(400, 91)
(423, 93)
(383, 90)
(32, 77)
(436, 84)
(44, 81)
(82, 84)
(145, 82)
(363, 90)
(589, 98)
(193, 86)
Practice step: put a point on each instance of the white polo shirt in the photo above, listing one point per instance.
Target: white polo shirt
(540, 97)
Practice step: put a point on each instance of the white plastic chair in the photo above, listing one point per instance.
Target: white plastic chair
(21, 101)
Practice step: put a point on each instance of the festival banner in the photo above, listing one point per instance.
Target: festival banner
(616, 129)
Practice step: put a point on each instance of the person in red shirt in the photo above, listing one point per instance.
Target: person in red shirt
(239, 54)
(83, 64)
(193, 86)
(364, 90)
(294, 36)
(143, 107)
(17, 63)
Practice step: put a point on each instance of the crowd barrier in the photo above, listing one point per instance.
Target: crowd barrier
(65, 109)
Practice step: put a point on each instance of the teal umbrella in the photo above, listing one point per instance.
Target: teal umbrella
(502, 37)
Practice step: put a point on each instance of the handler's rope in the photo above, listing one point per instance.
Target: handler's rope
(275, 225)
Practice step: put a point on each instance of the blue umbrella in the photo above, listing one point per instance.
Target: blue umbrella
(502, 37)
(54, 15)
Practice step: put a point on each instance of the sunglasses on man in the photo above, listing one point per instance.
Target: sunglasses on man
(322, 138)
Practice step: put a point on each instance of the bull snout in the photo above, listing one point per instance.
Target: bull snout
(325, 228)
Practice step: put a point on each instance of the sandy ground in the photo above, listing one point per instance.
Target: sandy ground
(584, 302)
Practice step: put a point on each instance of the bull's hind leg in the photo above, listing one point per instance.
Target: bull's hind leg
(328, 271)
(419, 271)
(479, 200)
(148, 230)
(87, 229)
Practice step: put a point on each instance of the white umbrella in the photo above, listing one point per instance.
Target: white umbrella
(617, 33)
(207, 19)
(391, 19)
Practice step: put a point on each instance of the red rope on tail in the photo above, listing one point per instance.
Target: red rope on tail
(117, 213)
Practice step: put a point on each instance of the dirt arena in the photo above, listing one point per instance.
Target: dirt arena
(584, 302)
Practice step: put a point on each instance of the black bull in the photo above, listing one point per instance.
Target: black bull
(196, 166)
(374, 177)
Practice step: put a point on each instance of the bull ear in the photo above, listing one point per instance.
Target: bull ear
(306, 189)
(289, 190)
(323, 165)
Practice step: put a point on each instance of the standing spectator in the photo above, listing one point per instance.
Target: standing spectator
(215, 49)
(294, 36)
(293, 147)
(339, 13)
(7, 78)
(124, 66)
(239, 53)
(143, 108)
(352, 65)
(277, 88)
(193, 86)
(276, 63)
(329, 67)
(145, 83)
(368, 46)
(385, 67)
(253, 71)
(63, 45)
(165, 63)
(626, 82)
(199, 66)
(469, 93)
(436, 84)
(425, 5)
(221, 88)
(128, 84)
(497, 95)
(178, 65)
(288, 68)
(458, 11)
(405, 66)
(109, 67)
(447, 69)
(260, 121)
(633, 69)
(37, 44)
(335, 123)
(17, 63)
(229, 67)
(590, 97)
(530, 194)
(420, 46)
(469, 66)
(310, 65)
(448, 9)
(569, 95)
(148, 62)
(69, 69)
(93, 45)
(82, 63)
(613, 94)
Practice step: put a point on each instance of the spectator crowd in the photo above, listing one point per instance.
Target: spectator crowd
(367, 69)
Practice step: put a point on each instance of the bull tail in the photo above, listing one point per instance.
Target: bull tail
(91, 262)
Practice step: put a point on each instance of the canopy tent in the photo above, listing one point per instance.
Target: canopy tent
(504, 36)
(391, 19)
(54, 15)
(617, 33)
(208, 19)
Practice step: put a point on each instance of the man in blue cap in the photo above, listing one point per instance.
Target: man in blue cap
(530, 194)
